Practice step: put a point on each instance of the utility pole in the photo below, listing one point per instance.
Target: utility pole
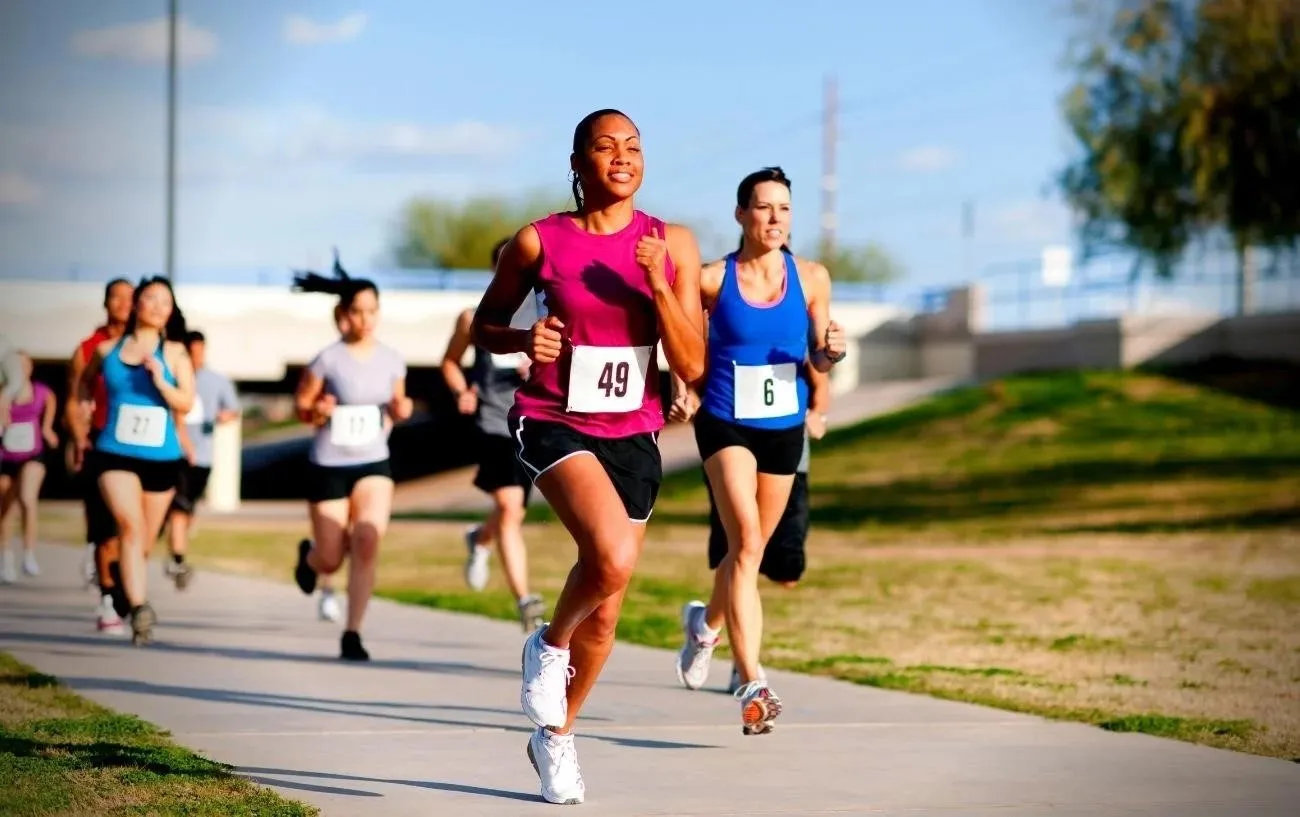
(830, 182)
(169, 253)
(967, 238)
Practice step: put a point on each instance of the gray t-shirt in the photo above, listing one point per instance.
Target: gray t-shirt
(357, 433)
(497, 377)
(213, 394)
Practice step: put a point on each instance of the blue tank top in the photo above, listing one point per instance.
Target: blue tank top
(140, 424)
(756, 354)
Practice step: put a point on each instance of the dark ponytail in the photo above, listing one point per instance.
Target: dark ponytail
(343, 285)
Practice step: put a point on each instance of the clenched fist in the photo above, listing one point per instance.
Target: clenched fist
(545, 341)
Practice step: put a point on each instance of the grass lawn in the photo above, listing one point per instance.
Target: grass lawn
(61, 754)
(1119, 549)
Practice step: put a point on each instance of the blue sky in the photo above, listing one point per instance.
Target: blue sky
(305, 125)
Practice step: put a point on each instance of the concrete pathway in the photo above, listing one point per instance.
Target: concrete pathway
(243, 672)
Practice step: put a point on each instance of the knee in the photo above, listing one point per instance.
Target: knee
(130, 529)
(363, 542)
(749, 550)
(612, 568)
(511, 514)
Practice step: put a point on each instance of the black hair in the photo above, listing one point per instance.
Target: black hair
(343, 285)
(108, 288)
(581, 134)
(176, 329)
(745, 192)
(193, 337)
(497, 250)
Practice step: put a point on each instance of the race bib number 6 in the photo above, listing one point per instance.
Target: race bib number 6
(766, 391)
(141, 426)
(353, 426)
(607, 379)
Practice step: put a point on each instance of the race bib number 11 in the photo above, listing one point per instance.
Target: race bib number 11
(607, 379)
(20, 438)
(767, 391)
(353, 426)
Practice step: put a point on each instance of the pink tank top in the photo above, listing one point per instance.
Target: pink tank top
(606, 380)
(21, 440)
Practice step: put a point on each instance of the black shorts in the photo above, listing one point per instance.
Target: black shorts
(328, 482)
(193, 483)
(784, 557)
(632, 463)
(499, 467)
(778, 451)
(156, 476)
(12, 468)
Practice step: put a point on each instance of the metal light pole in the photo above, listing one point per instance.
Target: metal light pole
(169, 254)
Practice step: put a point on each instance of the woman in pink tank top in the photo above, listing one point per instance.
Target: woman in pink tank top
(29, 432)
(611, 283)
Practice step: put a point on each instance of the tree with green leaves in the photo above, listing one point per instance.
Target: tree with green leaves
(1187, 117)
(870, 263)
(438, 234)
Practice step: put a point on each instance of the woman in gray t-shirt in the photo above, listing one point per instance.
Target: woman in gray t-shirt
(352, 392)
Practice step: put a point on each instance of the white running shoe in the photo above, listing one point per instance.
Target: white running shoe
(546, 673)
(697, 650)
(107, 621)
(8, 568)
(759, 707)
(556, 760)
(328, 607)
(532, 612)
(476, 560)
(30, 568)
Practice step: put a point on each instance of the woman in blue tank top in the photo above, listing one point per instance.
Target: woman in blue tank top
(768, 317)
(137, 458)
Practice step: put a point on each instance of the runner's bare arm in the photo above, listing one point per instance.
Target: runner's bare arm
(457, 345)
(179, 398)
(681, 315)
(512, 283)
(74, 408)
(307, 395)
(818, 281)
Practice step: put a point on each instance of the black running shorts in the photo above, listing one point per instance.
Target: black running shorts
(777, 451)
(499, 466)
(329, 482)
(193, 484)
(156, 476)
(632, 463)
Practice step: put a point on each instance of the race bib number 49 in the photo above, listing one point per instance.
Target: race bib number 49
(353, 426)
(607, 379)
(20, 438)
(141, 426)
(766, 391)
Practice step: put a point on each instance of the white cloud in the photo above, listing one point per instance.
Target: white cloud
(301, 30)
(146, 42)
(17, 190)
(927, 159)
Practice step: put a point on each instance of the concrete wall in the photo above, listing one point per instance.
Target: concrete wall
(951, 343)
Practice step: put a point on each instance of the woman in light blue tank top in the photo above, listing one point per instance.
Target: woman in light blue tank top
(352, 393)
(768, 317)
(149, 384)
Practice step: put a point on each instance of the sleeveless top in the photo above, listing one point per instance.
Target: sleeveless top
(139, 423)
(605, 382)
(757, 353)
(356, 433)
(22, 439)
(497, 378)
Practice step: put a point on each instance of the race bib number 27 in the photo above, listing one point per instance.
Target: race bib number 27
(141, 426)
(607, 379)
